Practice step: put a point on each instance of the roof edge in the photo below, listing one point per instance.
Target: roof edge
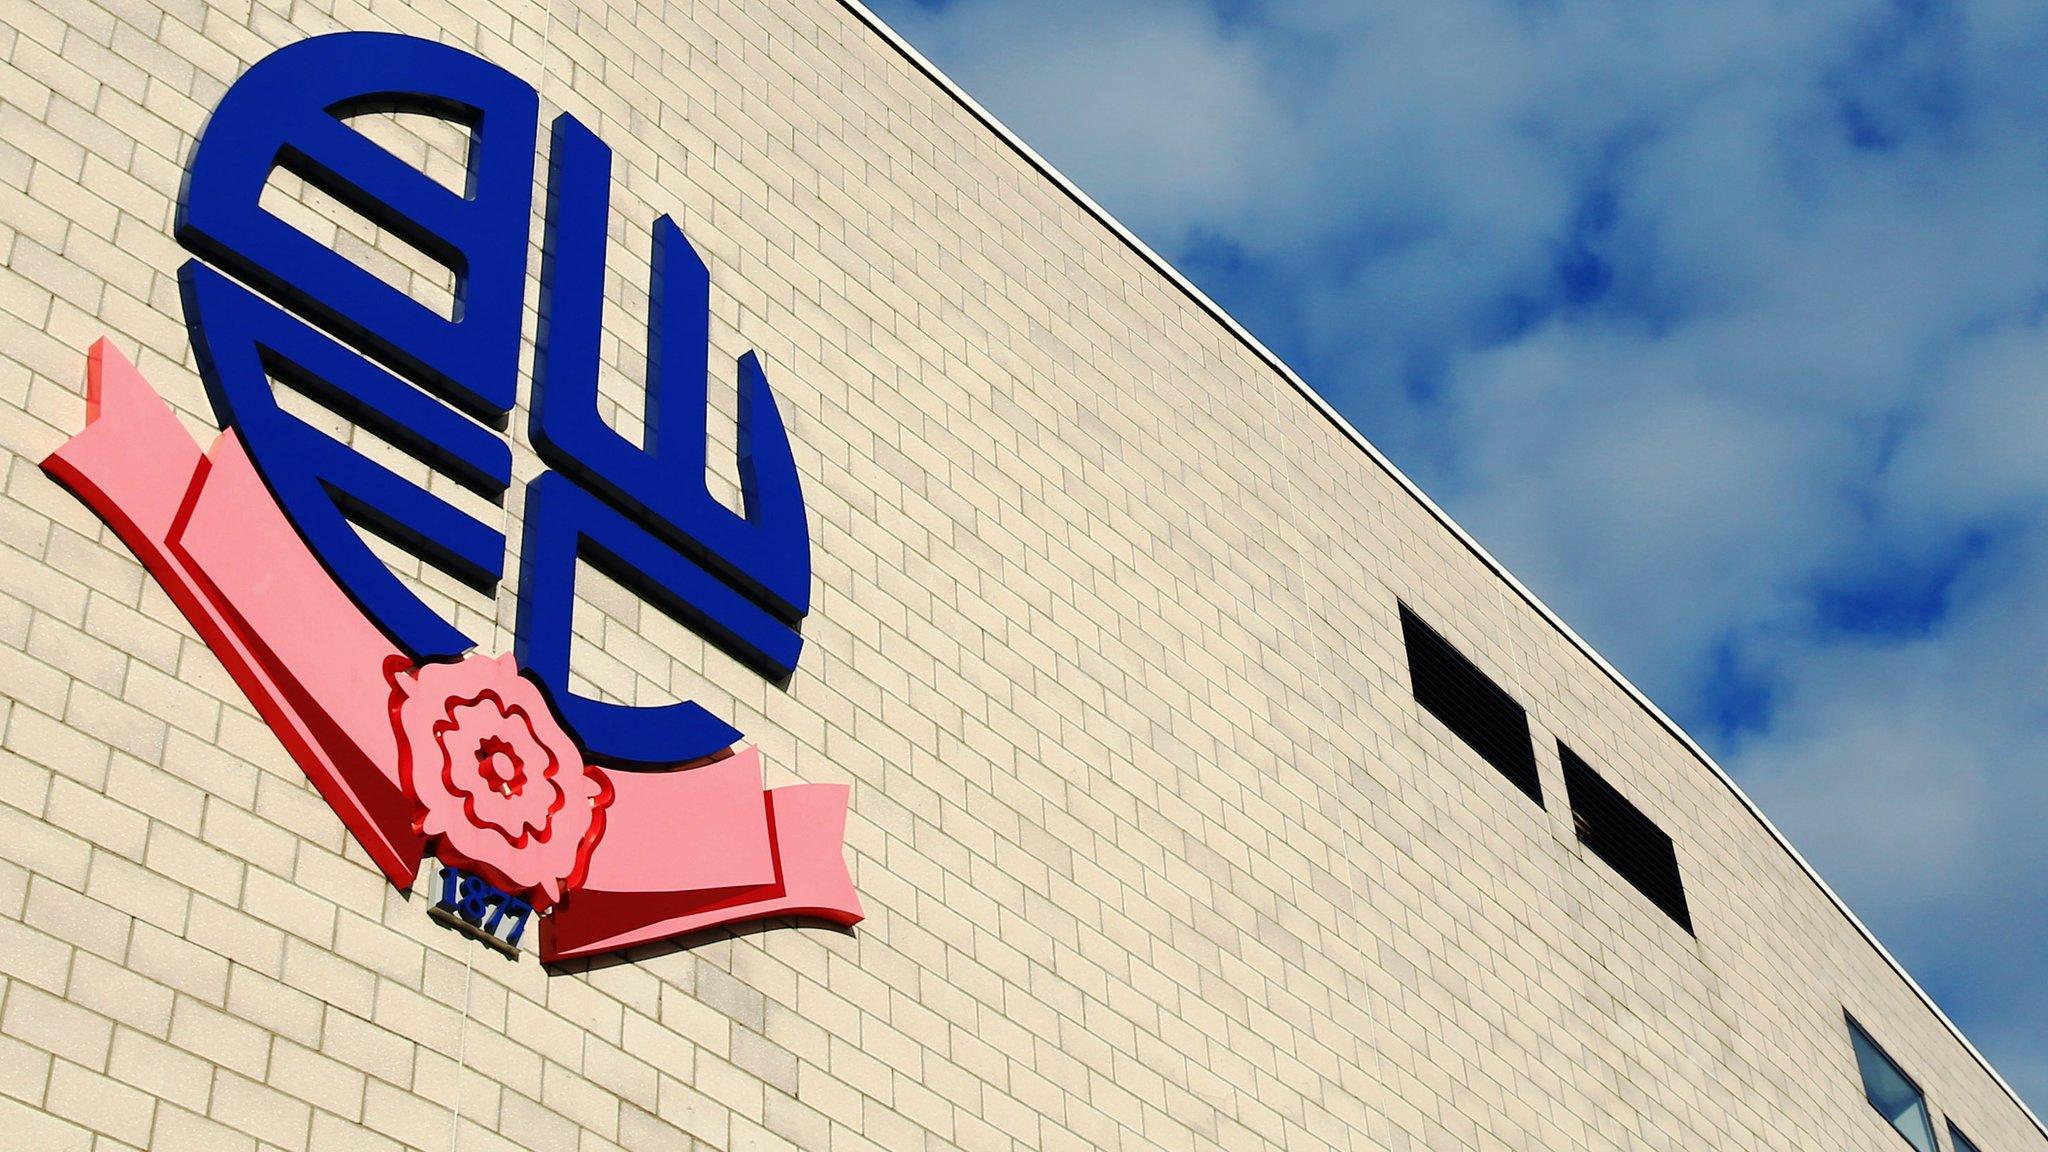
(1102, 215)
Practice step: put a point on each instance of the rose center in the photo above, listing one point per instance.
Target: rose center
(500, 768)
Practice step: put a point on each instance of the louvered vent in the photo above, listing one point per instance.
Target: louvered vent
(1470, 704)
(1619, 833)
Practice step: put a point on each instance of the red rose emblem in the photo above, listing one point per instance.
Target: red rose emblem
(495, 777)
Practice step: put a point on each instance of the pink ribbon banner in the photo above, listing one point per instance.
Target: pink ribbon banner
(465, 758)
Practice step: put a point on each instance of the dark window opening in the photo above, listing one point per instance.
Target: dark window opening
(1470, 704)
(1960, 1142)
(1619, 833)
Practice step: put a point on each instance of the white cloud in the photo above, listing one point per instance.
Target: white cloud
(1154, 107)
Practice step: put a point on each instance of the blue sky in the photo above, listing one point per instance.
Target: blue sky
(1725, 326)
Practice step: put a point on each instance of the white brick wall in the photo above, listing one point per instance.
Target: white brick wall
(1156, 849)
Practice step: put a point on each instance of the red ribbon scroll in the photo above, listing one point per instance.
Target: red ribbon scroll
(679, 850)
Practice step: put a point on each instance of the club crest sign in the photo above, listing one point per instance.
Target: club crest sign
(610, 825)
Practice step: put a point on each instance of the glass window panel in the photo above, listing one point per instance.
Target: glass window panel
(1891, 1092)
(1958, 1141)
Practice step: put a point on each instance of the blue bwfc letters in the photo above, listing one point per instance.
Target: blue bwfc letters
(443, 388)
